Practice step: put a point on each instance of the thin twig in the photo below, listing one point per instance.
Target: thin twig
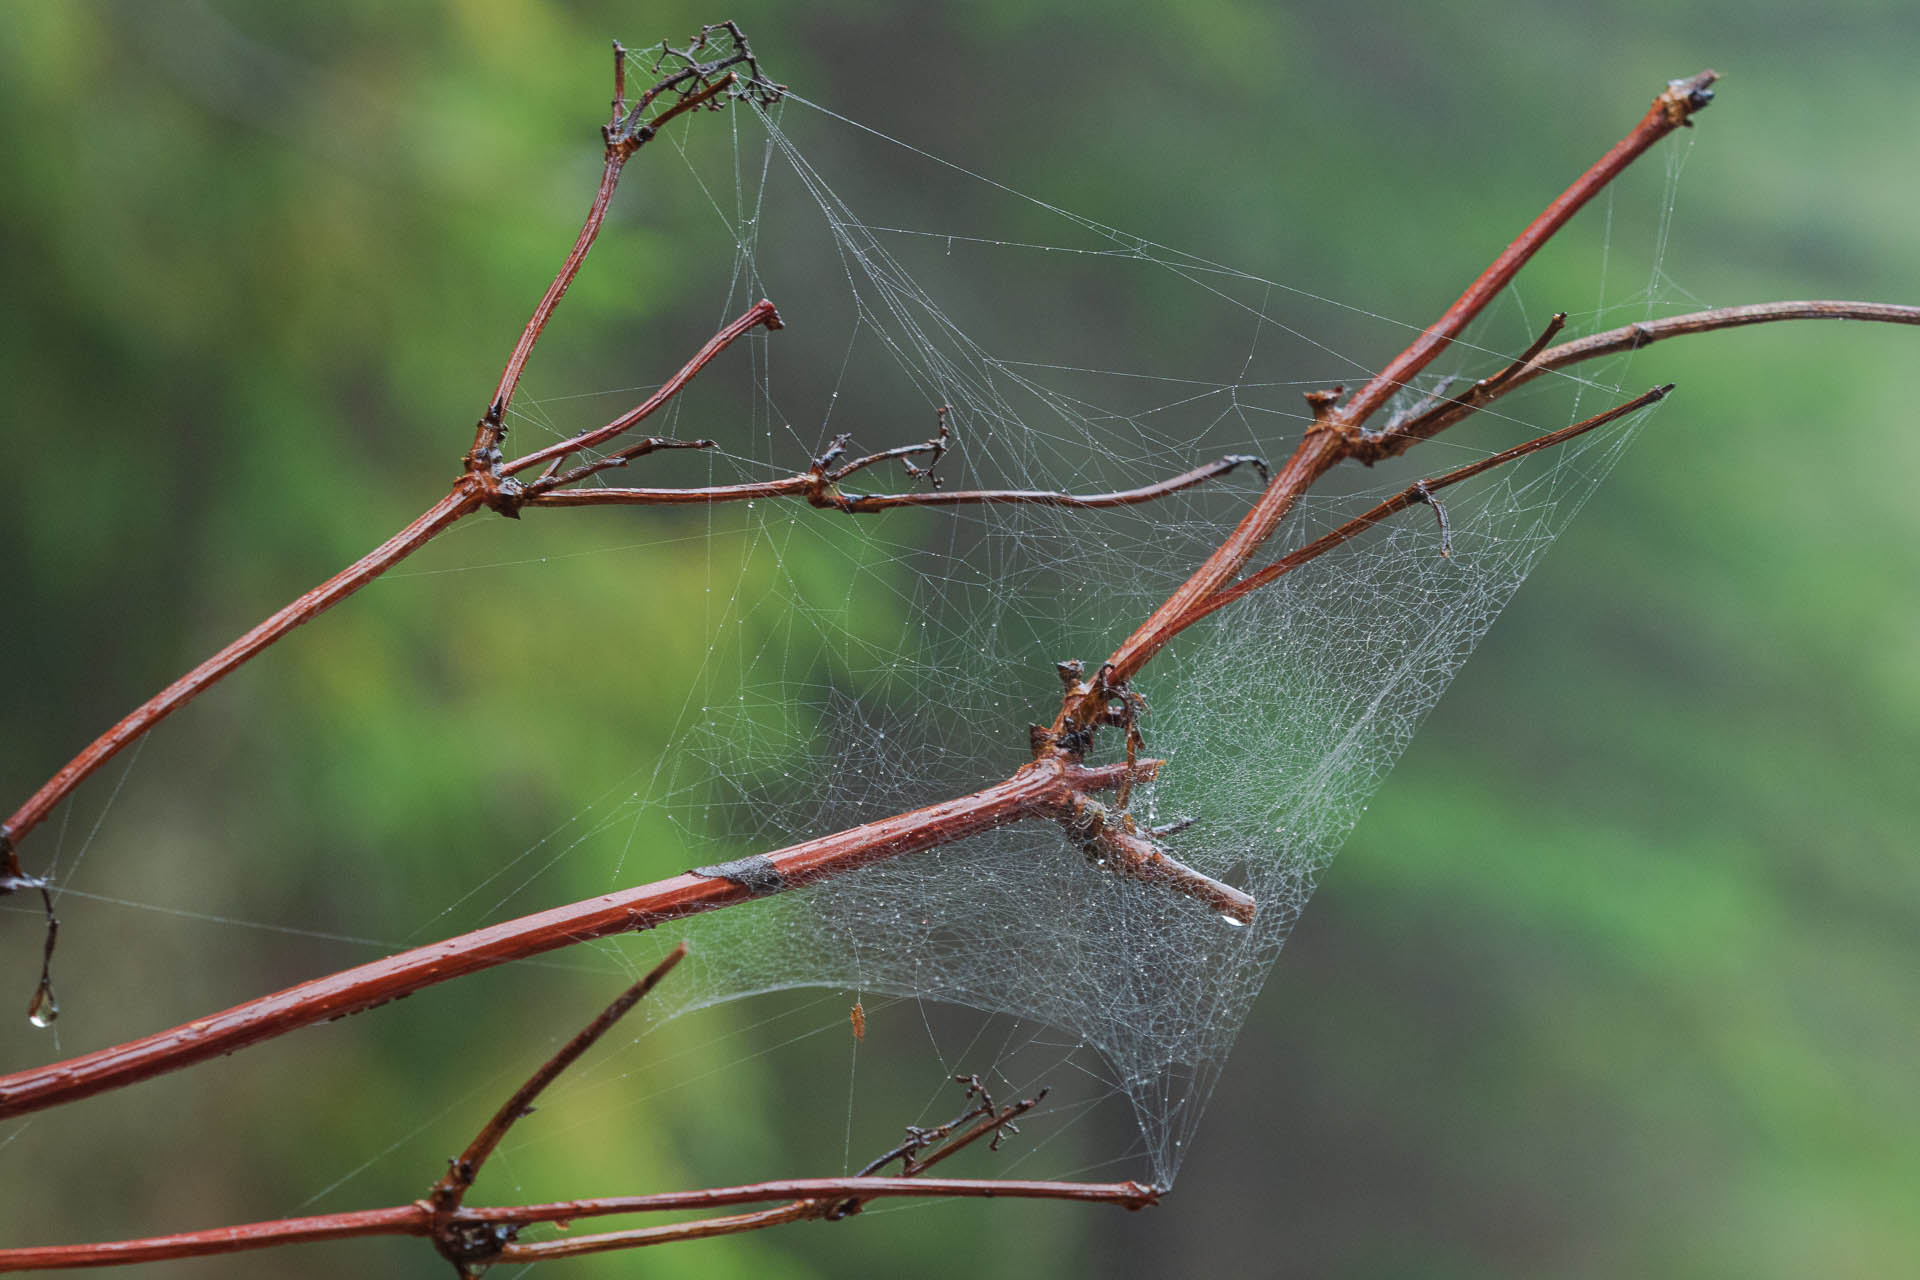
(1632, 337)
(472, 1247)
(1418, 492)
(808, 486)
(625, 133)
(760, 313)
(416, 1219)
(814, 1198)
(304, 608)
(452, 1188)
(1672, 109)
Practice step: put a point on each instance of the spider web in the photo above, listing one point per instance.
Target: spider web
(857, 667)
(861, 666)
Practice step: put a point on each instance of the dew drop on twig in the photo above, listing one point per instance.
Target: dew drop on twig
(44, 1008)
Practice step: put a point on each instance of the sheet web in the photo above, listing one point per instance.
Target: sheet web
(857, 667)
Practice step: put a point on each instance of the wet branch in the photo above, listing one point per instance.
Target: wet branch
(1044, 789)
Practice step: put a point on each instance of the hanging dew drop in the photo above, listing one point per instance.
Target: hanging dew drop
(44, 1009)
(1231, 920)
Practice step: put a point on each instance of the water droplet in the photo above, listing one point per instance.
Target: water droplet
(1228, 918)
(44, 1008)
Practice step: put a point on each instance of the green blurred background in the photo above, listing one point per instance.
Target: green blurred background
(1619, 975)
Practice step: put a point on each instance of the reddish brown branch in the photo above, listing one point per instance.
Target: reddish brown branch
(698, 84)
(1132, 1195)
(460, 502)
(493, 425)
(815, 1198)
(1671, 110)
(402, 1220)
(416, 1219)
(481, 486)
(1113, 843)
(1043, 789)
(760, 313)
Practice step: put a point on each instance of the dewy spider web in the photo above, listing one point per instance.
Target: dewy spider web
(859, 666)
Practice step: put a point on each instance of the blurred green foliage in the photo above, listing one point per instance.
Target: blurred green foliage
(1621, 975)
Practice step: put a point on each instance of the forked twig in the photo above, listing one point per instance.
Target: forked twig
(473, 1240)
(1400, 435)
(466, 1248)
(922, 1149)
(1420, 491)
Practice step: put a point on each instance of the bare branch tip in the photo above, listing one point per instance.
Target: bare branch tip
(1684, 97)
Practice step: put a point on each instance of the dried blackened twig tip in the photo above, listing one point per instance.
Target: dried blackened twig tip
(1683, 97)
(835, 450)
(1253, 460)
(717, 67)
